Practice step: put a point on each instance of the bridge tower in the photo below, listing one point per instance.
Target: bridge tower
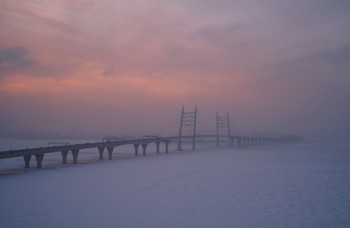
(188, 119)
(222, 122)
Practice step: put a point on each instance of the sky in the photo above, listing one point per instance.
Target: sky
(112, 67)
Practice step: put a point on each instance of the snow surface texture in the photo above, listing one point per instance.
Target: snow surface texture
(300, 185)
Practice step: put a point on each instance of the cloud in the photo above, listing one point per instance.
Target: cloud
(19, 61)
(13, 60)
(265, 60)
(337, 57)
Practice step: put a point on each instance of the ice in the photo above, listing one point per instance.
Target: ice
(294, 185)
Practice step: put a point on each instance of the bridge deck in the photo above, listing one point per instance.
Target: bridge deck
(71, 147)
(240, 139)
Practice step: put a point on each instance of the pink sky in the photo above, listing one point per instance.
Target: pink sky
(117, 66)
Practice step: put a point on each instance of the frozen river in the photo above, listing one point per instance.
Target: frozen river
(294, 185)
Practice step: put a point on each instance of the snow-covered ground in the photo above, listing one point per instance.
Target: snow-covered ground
(295, 185)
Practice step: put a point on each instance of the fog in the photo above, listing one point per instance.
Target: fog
(126, 68)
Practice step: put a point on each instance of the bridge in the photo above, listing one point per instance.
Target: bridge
(188, 120)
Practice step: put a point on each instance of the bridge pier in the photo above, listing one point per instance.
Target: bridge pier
(64, 156)
(158, 144)
(136, 146)
(110, 151)
(75, 153)
(167, 146)
(100, 151)
(144, 147)
(27, 161)
(239, 141)
(39, 160)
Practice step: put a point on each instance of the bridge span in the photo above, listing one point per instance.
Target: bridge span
(235, 141)
(75, 148)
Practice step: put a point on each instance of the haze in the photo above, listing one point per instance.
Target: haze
(127, 67)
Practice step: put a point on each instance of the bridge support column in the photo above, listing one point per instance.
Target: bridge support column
(194, 129)
(136, 146)
(64, 156)
(230, 141)
(167, 146)
(100, 151)
(110, 151)
(158, 144)
(75, 153)
(222, 122)
(39, 160)
(27, 161)
(144, 147)
(188, 119)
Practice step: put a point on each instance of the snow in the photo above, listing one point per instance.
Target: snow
(294, 185)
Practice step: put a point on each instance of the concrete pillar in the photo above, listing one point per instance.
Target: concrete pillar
(75, 153)
(100, 151)
(110, 151)
(167, 146)
(144, 147)
(27, 161)
(136, 146)
(158, 143)
(64, 156)
(39, 159)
